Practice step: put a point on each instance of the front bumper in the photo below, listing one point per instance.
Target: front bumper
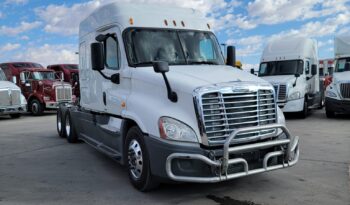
(207, 166)
(293, 105)
(54, 104)
(339, 106)
(13, 110)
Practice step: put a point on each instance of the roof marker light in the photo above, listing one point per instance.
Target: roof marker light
(131, 21)
(183, 24)
(166, 22)
(174, 22)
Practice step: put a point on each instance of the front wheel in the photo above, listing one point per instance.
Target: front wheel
(59, 123)
(304, 113)
(138, 162)
(36, 107)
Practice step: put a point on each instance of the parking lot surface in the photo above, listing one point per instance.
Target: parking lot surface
(38, 167)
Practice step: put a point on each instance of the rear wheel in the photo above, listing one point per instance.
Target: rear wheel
(69, 129)
(59, 123)
(36, 107)
(138, 162)
(15, 116)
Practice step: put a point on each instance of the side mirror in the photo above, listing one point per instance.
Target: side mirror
(231, 56)
(347, 67)
(297, 75)
(252, 71)
(22, 77)
(97, 56)
(330, 70)
(314, 69)
(14, 79)
(161, 67)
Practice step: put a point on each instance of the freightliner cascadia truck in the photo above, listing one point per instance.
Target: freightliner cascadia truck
(12, 102)
(156, 95)
(291, 66)
(338, 92)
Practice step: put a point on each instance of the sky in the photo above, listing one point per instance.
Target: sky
(47, 31)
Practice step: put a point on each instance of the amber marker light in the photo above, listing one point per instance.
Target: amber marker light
(131, 21)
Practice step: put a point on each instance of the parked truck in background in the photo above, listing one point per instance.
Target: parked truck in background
(326, 67)
(338, 92)
(41, 87)
(70, 75)
(157, 96)
(291, 66)
(12, 102)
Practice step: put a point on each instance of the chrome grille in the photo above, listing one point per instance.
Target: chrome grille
(345, 90)
(16, 97)
(4, 98)
(224, 112)
(63, 93)
(10, 97)
(280, 92)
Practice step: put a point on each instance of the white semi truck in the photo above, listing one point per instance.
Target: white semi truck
(157, 96)
(338, 92)
(291, 66)
(12, 102)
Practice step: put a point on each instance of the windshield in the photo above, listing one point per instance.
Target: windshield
(290, 67)
(340, 66)
(71, 67)
(2, 75)
(173, 46)
(44, 75)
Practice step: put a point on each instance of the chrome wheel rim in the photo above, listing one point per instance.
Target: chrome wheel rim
(67, 126)
(59, 123)
(35, 108)
(135, 159)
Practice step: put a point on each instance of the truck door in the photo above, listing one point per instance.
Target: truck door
(113, 95)
(309, 79)
(25, 83)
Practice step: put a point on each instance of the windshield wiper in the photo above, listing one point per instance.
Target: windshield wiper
(143, 63)
(202, 62)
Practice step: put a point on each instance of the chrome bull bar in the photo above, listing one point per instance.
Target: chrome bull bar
(291, 156)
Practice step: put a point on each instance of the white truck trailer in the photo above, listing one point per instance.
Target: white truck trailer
(157, 96)
(291, 66)
(12, 102)
(338, 92)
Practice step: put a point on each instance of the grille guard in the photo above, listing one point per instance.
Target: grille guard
(291, 157)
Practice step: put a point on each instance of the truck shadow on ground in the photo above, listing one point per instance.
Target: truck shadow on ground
(26, 115)
(318, 115)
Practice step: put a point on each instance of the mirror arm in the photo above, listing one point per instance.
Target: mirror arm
(104, 76)
(172, 96)
(295, 82)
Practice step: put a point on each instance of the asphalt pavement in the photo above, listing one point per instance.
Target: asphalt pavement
(37, 167)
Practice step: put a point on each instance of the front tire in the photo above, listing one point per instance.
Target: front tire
(36, 107)
(138, 162)
(305, 112)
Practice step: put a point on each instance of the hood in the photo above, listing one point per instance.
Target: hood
(343, 76)
(8, 84)
(187, 78)
(280, 79)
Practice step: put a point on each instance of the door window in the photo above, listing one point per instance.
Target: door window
(112, 53)
(307, 67)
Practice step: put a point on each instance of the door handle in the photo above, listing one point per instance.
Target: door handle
(104, 98)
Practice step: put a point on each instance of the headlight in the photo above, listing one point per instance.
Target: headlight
(294, 96)
(172, 129)
(331, 94)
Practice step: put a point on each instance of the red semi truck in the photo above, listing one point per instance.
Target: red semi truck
(43, 88)
(70, 75)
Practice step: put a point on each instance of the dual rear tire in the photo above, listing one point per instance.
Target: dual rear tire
(65, 126)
